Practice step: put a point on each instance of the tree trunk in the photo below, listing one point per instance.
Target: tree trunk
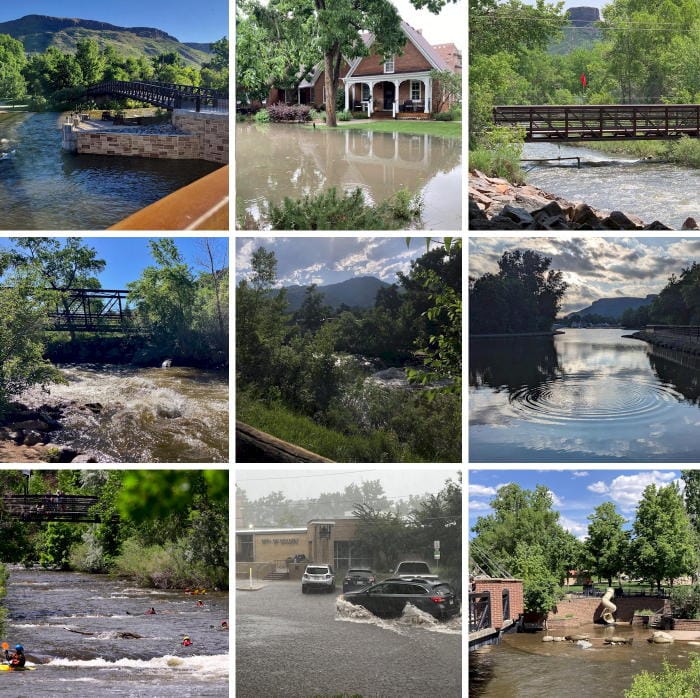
(331, 62)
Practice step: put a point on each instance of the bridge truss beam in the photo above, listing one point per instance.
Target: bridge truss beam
(91, 310)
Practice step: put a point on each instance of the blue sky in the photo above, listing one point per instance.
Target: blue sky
(186, 20)
(126, 258)
(596, 267)
(576, 493)
(321, 261)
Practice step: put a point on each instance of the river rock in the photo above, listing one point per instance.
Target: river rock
(547, 638)
(584, 644)
(690, 224)
(32, 438)
(58, 453)
(95, 407)
(576, 638)
(661, 638)
(84, 458)
(32, 424)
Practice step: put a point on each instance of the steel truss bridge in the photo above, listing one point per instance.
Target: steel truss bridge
(50, 507)
(163, 94)
(91, 310)
(593, 122)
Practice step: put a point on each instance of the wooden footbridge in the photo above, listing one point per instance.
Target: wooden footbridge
(162, 94)
(50, 507)
(593, 122)
(91, 310)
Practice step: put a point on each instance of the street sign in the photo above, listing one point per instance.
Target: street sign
(436, 544)
(436, 554)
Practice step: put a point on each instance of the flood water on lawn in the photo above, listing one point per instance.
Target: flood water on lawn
(278, 160)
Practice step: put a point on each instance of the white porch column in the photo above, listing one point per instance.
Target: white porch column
(428, 84)
(395, 106)
(347, 96)
(370, 102)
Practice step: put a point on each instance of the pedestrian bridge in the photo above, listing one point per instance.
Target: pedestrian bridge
(50, 507)
(163, 94)
(91, 310)
(601, 122)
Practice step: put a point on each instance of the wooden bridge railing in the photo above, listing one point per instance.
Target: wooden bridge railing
(164, 94)
(50, 507)
(479, 610)
(601, 122)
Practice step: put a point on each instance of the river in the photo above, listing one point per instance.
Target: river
(43, 187)
(70, 625)
(586, 395)
(146, 415)
(278, 160)
(651, 191)
(522, 666)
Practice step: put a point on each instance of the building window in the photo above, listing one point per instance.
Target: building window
(245, 552)
(389, 65)
(415, 90)
(349, 553)
(365, 92)
(324, 531)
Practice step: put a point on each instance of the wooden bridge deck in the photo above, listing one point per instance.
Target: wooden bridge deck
(162, 94)
(50, 507)
(589, 122)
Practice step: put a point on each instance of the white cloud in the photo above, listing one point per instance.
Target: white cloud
(577, 528)
(556, 501)
(627, 490)
(579, 473)
(598, 487)
(476, 505)
(481, 491)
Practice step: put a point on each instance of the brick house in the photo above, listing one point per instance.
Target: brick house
(373, 85)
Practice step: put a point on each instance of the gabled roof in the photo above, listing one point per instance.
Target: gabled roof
(430, 53)
(451, 55)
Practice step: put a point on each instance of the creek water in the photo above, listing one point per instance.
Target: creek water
(522, 666)
(586, 395)
(176, 414)
(651, 191)
(71, 626)
(274, 161)
(43, 187)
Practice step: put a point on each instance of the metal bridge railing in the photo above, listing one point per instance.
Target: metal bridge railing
(479, 610)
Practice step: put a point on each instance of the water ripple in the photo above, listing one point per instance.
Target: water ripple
(592, 398)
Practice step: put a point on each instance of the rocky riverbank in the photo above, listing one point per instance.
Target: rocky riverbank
(683, 344)
(25, 436)
(496, 204)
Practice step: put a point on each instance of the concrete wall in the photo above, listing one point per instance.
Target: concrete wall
(213, 129)
(181, 147)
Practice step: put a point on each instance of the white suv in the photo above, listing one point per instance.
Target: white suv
(318, 577)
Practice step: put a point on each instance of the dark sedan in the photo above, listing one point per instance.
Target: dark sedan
(358, 578)
(389, 598)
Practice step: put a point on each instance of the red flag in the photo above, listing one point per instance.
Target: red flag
(583, 79)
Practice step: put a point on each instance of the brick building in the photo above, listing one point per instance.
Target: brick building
(506, 597)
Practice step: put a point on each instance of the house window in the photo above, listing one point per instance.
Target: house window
(415, 90)
(245, 552)
(365, 92)
(389, 65)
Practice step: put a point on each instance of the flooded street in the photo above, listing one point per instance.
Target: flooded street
(279, 160)
(45, 188)
(177, 414)
(88, 636)
(585, 395)
(294, 645)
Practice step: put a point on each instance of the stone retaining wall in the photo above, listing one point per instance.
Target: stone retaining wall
(175, 147)
(582, 610)
(213, 129)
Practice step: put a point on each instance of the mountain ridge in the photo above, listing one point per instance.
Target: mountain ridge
(614, 307)
(38, 32)
(359, 291)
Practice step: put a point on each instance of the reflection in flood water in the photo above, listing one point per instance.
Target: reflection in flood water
(586, 395)
(278, 160)
(523, 666)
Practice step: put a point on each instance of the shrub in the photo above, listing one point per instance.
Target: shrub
(289, 112)
(347, 211)
(315, 115)
(444, 116)
(262, 116)
(686, 151)
(344, 116)
(456, 112)
(669, 683)
(360, 115)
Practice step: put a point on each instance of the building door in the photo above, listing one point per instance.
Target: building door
(388, 95)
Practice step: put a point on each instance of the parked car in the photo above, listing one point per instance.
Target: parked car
(358, 578)
(389, 598)
(318, 577)
(414, 568)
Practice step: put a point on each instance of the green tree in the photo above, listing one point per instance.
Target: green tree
(164, 297)
(384, 535)
(663, 546)
(540, 588)
(313, 311)
(56, 541)
(12, 61)
(607, 543)
(91, 60)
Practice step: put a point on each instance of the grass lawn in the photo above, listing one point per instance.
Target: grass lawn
(281, 422)
(446, 129)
